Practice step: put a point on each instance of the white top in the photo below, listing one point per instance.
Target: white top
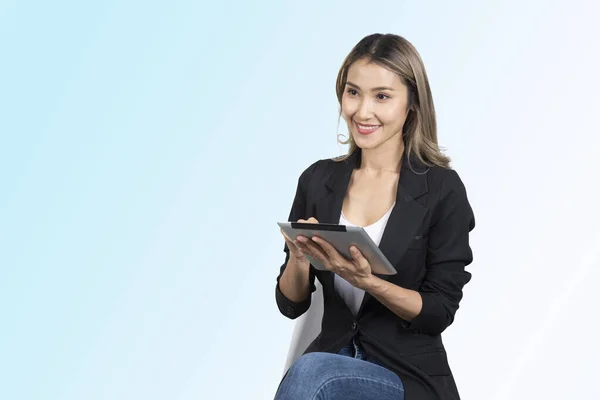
(352, 295)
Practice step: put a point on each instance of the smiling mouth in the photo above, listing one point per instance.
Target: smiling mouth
(366, 129)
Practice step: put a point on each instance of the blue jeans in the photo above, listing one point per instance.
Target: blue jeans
(348, 375)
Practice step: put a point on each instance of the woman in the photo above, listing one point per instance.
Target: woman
(381, 335)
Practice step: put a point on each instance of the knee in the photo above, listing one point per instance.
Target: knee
(304, 377)
(311, 365)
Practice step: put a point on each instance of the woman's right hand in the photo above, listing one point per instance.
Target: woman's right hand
(296, 247)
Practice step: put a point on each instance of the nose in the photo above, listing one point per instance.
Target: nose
(365, 110)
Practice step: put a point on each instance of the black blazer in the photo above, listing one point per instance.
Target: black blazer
(427, 240)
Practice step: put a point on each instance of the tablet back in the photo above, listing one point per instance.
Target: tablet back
(341, 237)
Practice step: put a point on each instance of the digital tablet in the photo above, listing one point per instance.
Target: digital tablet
(341, 237)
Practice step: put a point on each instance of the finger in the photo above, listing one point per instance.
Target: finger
(331, 251)
(301, 240)
(358, 257)
(291, 245)
(301, 243)
(286, 237)
(303, 249)
(314, 250)
(311, 220)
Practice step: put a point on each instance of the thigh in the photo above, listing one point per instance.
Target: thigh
(325, 376)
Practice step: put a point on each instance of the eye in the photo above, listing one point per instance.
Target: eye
(352, 92)
(382, 96)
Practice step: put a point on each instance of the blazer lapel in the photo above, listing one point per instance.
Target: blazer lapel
(407, 214)
(329, 207)
(406, 217)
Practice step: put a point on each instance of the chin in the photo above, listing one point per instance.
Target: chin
(365, 143)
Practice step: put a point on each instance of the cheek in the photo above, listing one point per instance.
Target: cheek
(393, 118)
(348, 109)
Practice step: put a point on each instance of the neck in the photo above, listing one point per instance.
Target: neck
(382, 158)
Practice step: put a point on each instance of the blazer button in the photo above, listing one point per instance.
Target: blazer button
(354, 326)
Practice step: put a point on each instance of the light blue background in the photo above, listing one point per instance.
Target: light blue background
(148, 149)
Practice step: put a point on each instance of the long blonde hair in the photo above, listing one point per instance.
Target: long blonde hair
(398, 55)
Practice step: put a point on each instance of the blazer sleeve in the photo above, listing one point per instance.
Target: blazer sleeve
(448, 253)
(287, 307)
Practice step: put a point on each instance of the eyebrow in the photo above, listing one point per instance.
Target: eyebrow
(373, 90)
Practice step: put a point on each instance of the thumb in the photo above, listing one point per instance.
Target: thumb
(358, 256)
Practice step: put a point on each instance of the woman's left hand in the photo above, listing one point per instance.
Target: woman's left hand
(357, 271)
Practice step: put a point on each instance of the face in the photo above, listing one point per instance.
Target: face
(374, 105)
